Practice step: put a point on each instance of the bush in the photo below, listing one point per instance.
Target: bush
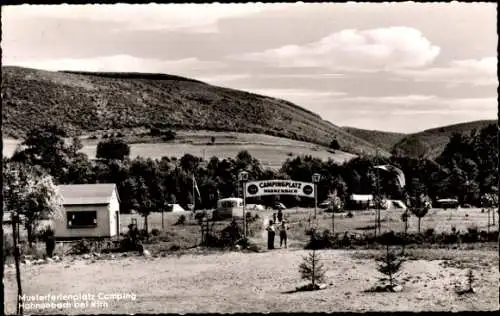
(174, 247)
(350, 215)
(155, 131)
(169, 135)
(429, 232)
(318, 240)
(81, 247)
(199, 216)
(181, 220)
(155, 232)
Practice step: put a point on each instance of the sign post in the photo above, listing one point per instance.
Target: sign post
(315, 178)
(280, 187)
(243, 177)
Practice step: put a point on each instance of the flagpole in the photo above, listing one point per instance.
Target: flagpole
(194, 196)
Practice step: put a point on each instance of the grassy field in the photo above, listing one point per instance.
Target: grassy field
(260, 282)
(438, 219)
(269, 150)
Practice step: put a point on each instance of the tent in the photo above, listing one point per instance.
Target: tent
(396, 204)
(175, 208)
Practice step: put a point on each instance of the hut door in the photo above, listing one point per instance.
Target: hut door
(117, 215)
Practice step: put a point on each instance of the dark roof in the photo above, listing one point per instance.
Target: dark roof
(80, 194)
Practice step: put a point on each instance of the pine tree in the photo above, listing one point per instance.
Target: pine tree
(389, 265)
(312, 269)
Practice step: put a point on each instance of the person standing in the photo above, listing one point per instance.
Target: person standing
(280, 216)
(283, 235)
(271, 232)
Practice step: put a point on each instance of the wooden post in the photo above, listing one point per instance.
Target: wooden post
(17, 255)
(162, 219)
(488, 210)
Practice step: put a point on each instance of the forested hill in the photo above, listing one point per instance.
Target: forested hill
(85, 102)
(385, 140)
(431, 142)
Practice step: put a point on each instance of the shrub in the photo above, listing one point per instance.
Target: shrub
(318, 240)
(81, 247)
(169, 135)
(155, 131)
(429, 232)
(155, 232)
(50, 242)
(199, 216)
(181, 220)
(174, 247)
(350, 215)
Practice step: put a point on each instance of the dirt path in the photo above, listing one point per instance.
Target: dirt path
(261, 237)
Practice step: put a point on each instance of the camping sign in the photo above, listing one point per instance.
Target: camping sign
(279, 187)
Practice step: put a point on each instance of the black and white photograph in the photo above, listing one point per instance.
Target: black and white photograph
(250, 158)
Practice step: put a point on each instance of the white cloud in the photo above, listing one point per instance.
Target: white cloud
(405, 99)
(121, 63)
(373, 49)
(222, 78)
(289, 94)
(186, 17)
(472, 71)
(420, 104)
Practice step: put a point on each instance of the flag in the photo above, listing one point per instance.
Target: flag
(195, 186)
(400, 176)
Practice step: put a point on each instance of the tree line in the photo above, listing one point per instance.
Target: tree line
(466, 170)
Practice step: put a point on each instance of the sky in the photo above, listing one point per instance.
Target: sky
(401, 67)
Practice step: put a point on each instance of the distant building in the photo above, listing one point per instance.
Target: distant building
(359, 201)
(90, 211)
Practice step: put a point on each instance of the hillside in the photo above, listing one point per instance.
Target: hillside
(385, 140)
(432, 142)
(88, 102)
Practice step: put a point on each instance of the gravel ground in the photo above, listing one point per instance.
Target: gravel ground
(256, 282)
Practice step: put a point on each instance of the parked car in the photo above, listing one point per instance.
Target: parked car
(278, 206)
(325, 204)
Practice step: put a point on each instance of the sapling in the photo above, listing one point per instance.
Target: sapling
(312, 269)
(470, 280)
(389, 265)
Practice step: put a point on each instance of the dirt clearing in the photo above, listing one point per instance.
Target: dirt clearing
(257, 282)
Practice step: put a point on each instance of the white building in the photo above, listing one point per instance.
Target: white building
(90, 211)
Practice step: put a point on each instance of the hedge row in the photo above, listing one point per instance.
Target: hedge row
(325, 239)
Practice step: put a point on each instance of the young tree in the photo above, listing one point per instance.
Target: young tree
(312, 269)
(31, 194)
(26, 192)
(113, 149)
(421, 208)
(389, 265)
(143, 201)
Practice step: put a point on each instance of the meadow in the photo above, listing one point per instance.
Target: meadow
(438, 219)
(271, 151)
